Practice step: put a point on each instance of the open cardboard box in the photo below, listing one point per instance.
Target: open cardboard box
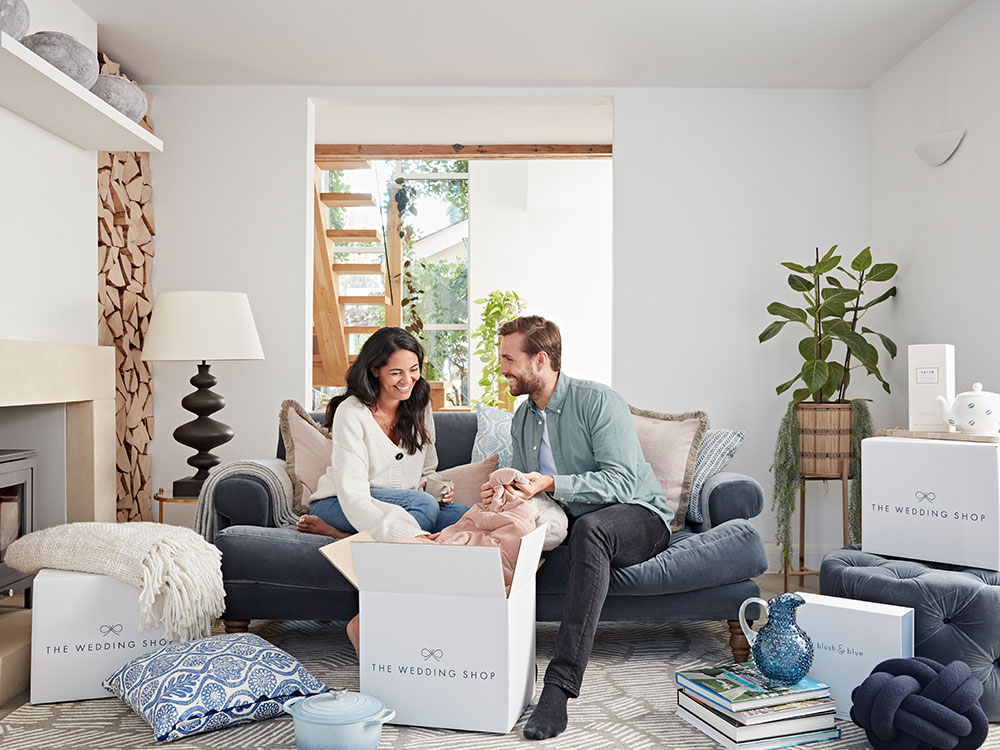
(442, 643)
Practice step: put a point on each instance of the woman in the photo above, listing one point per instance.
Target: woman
(383, 449)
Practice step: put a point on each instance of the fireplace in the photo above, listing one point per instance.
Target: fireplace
(17, 474)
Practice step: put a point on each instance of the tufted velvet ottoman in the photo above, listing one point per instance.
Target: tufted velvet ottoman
(956, 610)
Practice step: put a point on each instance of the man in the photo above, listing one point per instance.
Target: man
(575, 440)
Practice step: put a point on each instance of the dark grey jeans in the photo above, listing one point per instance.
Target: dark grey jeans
(617, 536)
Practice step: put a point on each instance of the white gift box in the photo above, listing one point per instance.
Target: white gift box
(442, 643)
(931, 373)
(936, 500)
(84, 627)
(850, 638)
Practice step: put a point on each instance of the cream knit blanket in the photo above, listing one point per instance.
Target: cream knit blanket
(178, 574)
(270, 470)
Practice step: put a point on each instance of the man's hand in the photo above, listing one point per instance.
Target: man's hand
(537, 483)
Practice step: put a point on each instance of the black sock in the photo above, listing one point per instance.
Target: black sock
(549, 717)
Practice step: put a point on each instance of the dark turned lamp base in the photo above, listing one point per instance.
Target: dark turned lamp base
(202, 433)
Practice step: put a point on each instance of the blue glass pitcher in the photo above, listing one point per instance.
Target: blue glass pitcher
(782, 651)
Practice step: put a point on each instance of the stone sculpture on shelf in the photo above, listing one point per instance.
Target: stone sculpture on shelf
(65, 53)
(14, 18)
(121, 94)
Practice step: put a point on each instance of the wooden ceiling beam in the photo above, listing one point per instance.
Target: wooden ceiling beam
(331, 151)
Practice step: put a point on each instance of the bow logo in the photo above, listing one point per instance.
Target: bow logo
(921, 496)
(107, 630)
(427, 653)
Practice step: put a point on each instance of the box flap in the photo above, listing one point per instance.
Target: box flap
(438, 569)
(339, 553)
(527, 558)
(855, 604)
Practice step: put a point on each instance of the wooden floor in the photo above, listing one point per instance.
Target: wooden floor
(771, 584)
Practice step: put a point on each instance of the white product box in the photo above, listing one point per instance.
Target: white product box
(931, 373)
(850, 638)
(442, 643)
(936, 500)
(84, 627)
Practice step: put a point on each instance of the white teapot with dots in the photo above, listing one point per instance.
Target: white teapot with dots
(976, 412)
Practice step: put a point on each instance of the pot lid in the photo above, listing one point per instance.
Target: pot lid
(340, 707)
(977, 390)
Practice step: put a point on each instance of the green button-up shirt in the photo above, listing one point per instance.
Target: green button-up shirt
(595, 448)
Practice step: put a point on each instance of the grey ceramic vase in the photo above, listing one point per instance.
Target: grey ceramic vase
(14, 18)
(66, 54)
(121, 94)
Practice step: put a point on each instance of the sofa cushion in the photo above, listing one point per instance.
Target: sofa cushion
(308, 450)
(188, 688)
(470, 478)
(729, 553)
(670, 444)
(493, 435)
(716, 450)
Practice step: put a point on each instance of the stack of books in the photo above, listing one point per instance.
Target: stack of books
(741, 710)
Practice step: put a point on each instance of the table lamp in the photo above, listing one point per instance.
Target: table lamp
(201, 326)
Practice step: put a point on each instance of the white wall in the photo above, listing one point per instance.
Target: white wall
(942, 222)
(233, 213)
(543, 229)
(713, 189)
(48, 194)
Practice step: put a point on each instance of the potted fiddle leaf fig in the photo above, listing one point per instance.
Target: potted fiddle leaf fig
(822, 438)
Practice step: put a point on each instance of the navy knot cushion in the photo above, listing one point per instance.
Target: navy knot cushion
(918, 703)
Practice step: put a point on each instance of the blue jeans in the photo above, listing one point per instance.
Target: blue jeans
(423, 507)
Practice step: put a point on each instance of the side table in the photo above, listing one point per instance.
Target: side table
(162, 496)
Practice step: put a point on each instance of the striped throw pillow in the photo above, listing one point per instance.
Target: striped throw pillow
(717, 449)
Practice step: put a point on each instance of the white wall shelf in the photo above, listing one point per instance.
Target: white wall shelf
(38, 92)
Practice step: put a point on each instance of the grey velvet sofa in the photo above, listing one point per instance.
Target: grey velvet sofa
(705, 573)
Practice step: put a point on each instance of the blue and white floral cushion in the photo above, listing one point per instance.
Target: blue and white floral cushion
(187, 688)
(493, 435)
(717, 449)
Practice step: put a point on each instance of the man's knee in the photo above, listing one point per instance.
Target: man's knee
(587, 530)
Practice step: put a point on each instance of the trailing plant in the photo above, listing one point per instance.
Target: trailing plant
(788, 480)
(832, 314)
(500, 306)
(403, 197)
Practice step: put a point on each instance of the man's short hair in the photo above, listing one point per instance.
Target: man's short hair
(540, 335)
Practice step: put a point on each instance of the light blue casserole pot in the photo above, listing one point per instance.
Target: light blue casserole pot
(338, 721)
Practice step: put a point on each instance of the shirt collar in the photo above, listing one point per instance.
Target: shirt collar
(555, 403)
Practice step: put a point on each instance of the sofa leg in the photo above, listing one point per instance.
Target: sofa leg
(738, 643)
(237, 626)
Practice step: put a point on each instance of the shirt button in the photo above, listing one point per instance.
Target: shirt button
(558, 411)
(535, 448)
(399, 456)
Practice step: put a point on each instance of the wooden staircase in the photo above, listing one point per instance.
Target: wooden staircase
(331, 335)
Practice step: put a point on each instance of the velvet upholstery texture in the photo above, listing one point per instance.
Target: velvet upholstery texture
(704, 574)
(956, 610)
(908, 703)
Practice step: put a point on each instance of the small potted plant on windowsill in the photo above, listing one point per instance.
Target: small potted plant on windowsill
(835, 306)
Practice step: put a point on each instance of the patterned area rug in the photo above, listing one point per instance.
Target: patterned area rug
(627, 701)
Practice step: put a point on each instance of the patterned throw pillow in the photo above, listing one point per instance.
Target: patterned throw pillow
(717, 450)
(493, 435)
(188, 688)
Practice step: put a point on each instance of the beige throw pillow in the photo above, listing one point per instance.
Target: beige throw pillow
(308, 450)
(469, 478)
(670, 444)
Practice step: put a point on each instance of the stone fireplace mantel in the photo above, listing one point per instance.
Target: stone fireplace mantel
(83, 378)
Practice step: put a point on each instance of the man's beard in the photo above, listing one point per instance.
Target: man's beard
(525, 384)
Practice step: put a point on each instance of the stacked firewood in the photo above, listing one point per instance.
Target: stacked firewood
(125, 230)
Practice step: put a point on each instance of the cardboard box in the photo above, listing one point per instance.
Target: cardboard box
(83, 628)
(850, 638)
(931, 373)
(442, 643)
(936, 500)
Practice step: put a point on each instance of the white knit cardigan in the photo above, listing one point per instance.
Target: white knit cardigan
(363, 457)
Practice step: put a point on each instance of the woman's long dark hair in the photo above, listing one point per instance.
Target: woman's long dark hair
(364, 385)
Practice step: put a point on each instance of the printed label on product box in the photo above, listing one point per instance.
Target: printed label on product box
(929, 375)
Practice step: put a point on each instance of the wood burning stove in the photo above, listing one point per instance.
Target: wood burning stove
(17, 474)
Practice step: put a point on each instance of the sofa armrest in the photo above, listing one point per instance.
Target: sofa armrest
(244, 500)
(728, 495)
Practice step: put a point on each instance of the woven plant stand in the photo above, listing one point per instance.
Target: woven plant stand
(825, 453)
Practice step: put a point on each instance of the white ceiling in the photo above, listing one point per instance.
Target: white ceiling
(701, 43)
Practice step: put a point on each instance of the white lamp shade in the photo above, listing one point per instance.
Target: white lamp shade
(201, 326)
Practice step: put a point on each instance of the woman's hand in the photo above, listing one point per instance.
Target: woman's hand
(449, 495)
